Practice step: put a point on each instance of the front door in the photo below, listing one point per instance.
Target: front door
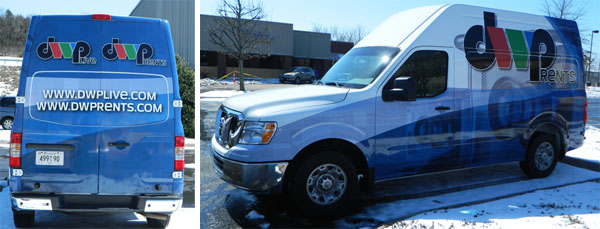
(418, 136)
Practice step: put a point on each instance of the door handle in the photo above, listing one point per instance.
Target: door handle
(118, 144)
(442, 108)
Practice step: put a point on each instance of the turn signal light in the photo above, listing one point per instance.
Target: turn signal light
(179, 153)
(15, 150)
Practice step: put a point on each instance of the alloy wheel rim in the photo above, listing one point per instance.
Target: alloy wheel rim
(8, 124)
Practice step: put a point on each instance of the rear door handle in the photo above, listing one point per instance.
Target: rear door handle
(442, 108)
(118, 144)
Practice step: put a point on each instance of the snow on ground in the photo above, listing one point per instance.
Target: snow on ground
(4, 136)
(218, 95)
(229, 81)
(593, 92)
(590, 151)
(574, 206)
(252, 215)
(390, 211)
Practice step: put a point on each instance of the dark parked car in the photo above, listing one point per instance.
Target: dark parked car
(298, 75)
(7, 111)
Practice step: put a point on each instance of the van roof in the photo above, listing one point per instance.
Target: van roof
(89, 17)
(412, 22)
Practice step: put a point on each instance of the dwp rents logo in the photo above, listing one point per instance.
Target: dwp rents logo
(534, 50)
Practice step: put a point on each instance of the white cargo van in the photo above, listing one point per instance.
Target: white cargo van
(430, 89)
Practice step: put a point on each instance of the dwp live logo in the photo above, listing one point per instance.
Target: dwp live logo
(535, 51)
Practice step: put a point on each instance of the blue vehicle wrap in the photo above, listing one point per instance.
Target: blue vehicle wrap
(104, 95)
(507, 82)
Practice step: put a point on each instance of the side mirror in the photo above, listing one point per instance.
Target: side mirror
(403, 90)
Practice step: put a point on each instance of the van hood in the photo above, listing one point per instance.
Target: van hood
(255, 104)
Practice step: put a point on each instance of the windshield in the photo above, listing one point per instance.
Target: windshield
(359, 67)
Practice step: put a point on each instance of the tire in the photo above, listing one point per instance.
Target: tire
(7, 123)
(322, 168)
(158, 223)
(312, 80)
(23, 219)
(542, 155)
(298, 80)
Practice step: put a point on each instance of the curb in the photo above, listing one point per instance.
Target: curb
(584, 164)
(391, 222)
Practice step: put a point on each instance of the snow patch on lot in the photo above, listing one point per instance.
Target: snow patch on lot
(575, 206)
(220, 94)
(252, 215)
(590, 151)
(229, 81)
(4, 136)
(386, 212)
(593, 92)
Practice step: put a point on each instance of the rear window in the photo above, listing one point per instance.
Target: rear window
(7, 102)
(98, 98)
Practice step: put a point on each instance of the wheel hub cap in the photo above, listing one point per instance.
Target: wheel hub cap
(544, 156)
(326, 184)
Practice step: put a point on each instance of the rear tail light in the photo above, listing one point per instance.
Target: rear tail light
(179, 153)
(585, 111)
(101, 17)
(15, 150)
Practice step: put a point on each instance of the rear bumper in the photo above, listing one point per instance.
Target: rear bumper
(95, 203)
(256, 177)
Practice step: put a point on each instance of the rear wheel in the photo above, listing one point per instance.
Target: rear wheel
(23, 219)
(325, 184)
(298, 80)
(312, 80)
(7, 123)
(542, 155)
(158, 223)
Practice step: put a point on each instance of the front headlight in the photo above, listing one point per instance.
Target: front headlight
(258, 132)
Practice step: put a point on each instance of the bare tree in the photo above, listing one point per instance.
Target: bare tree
(238, 33)
(564, 9)
(571, 10)
(353, 35)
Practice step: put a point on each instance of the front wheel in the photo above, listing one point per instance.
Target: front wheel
(325, 184)
(542, 155)
(297, 80)
(158, 223)
(23, 219)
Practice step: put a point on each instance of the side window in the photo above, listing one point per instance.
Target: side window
(429, 69)
(7, 102)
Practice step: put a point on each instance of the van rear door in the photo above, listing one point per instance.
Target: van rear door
(59, 137)
(137, 126)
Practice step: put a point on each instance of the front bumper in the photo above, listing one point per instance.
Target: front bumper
(95, 203)
(256, 177)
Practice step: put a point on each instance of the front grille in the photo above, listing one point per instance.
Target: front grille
(228, 127)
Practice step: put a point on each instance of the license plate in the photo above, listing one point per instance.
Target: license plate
(50, 158)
